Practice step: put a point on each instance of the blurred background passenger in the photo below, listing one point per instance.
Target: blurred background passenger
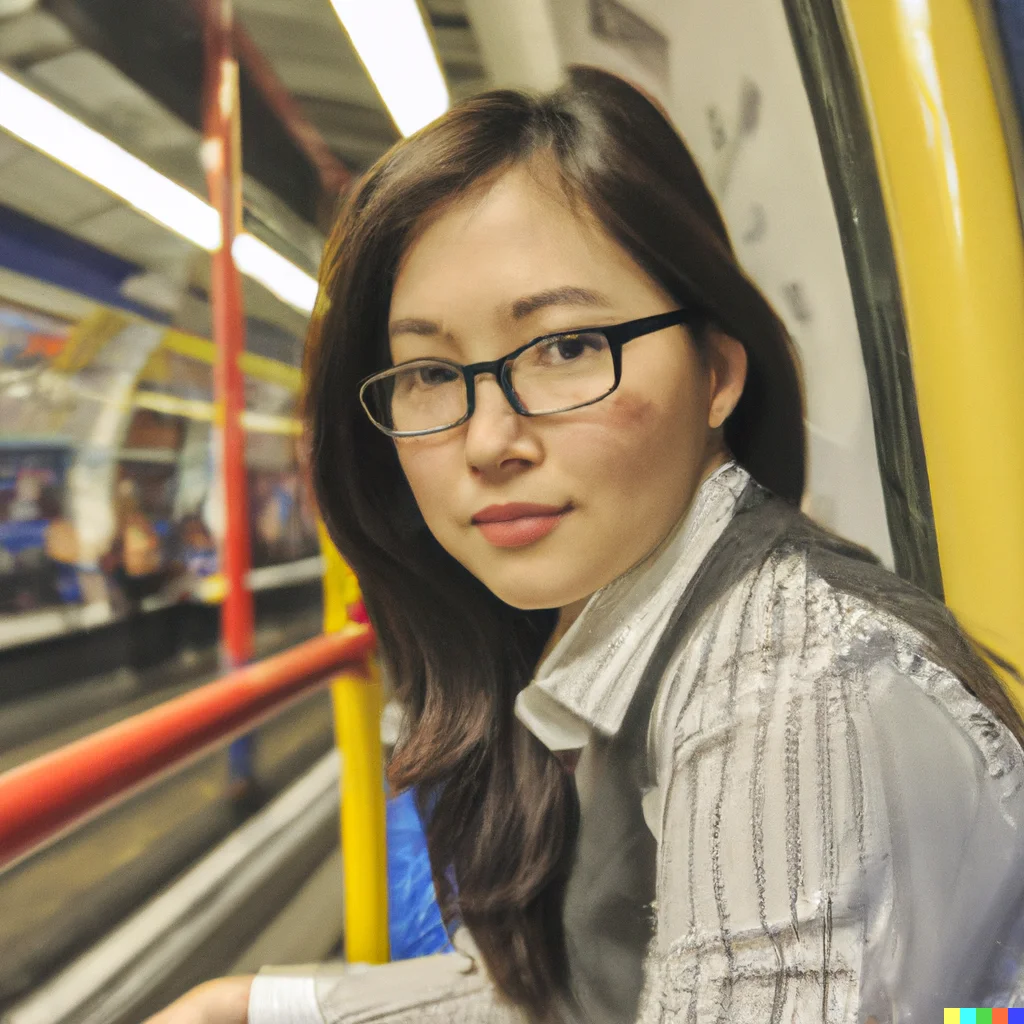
(136, 566)
(196, 547)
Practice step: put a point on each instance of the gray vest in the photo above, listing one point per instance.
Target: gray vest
(609, 914)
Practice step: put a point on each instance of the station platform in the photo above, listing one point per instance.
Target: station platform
(59, 903)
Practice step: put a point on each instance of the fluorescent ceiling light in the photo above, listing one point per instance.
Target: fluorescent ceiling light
(278, 275)
(395, 47)
(44, 126)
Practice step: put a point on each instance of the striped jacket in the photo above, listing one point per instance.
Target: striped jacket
(790, 811)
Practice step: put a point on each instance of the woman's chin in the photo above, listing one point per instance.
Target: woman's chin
(529, 595)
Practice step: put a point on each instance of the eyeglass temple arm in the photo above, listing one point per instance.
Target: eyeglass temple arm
(621, 333)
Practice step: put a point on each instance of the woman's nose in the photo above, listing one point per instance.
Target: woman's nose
(495, 437)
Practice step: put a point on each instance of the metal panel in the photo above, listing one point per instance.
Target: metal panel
(844, 136)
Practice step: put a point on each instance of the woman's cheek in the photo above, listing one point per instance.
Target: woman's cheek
(636, 469)
(620, 445)
(430, 474)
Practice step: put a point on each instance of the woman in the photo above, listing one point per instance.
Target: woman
(755, 777)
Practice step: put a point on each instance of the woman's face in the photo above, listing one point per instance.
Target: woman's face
(505, 265)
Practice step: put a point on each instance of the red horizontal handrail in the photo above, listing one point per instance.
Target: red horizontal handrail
(45, 797)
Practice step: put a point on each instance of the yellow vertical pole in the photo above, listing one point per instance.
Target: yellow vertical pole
(357, 709)
(952, 206)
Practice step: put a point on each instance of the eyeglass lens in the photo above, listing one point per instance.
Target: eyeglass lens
(552, 375)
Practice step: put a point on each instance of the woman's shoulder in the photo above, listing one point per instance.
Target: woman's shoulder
(816, 626)
(814, 603)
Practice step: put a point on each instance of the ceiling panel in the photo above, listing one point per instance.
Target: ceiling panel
(112, 102)
(134, 237)
(10, 149)
(311, 54)
(38, 186)
(34, 35)
(308, 33)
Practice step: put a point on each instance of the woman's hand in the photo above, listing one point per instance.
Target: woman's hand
(223, 1001)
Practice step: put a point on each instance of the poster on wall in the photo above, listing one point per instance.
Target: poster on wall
(282, 518)
(107, 498)
(38, 556)
(30, 343)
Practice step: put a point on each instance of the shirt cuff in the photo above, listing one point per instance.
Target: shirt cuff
(277, 999)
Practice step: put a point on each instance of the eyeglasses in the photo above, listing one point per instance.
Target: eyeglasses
(554, 373)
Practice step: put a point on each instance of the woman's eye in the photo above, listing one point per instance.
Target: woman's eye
(570, 347)
(435, 376)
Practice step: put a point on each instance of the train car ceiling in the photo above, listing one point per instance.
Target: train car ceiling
(311, 64)
(159, 45)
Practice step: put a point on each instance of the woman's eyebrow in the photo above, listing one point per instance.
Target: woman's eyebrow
(569, 295)
(414, 325)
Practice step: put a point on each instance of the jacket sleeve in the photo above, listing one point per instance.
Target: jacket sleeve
(834, 846)
(446, 987)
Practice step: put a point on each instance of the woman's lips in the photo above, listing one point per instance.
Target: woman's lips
(515, 526)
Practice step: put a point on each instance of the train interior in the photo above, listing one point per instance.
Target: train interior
(156, 532)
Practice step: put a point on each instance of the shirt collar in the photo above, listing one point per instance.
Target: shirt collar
(588, 680)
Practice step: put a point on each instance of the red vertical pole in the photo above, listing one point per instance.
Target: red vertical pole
(222, 158)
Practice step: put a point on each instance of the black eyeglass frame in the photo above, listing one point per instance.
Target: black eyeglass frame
(616, 335)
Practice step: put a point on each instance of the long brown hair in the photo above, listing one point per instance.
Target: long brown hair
(502, 813)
